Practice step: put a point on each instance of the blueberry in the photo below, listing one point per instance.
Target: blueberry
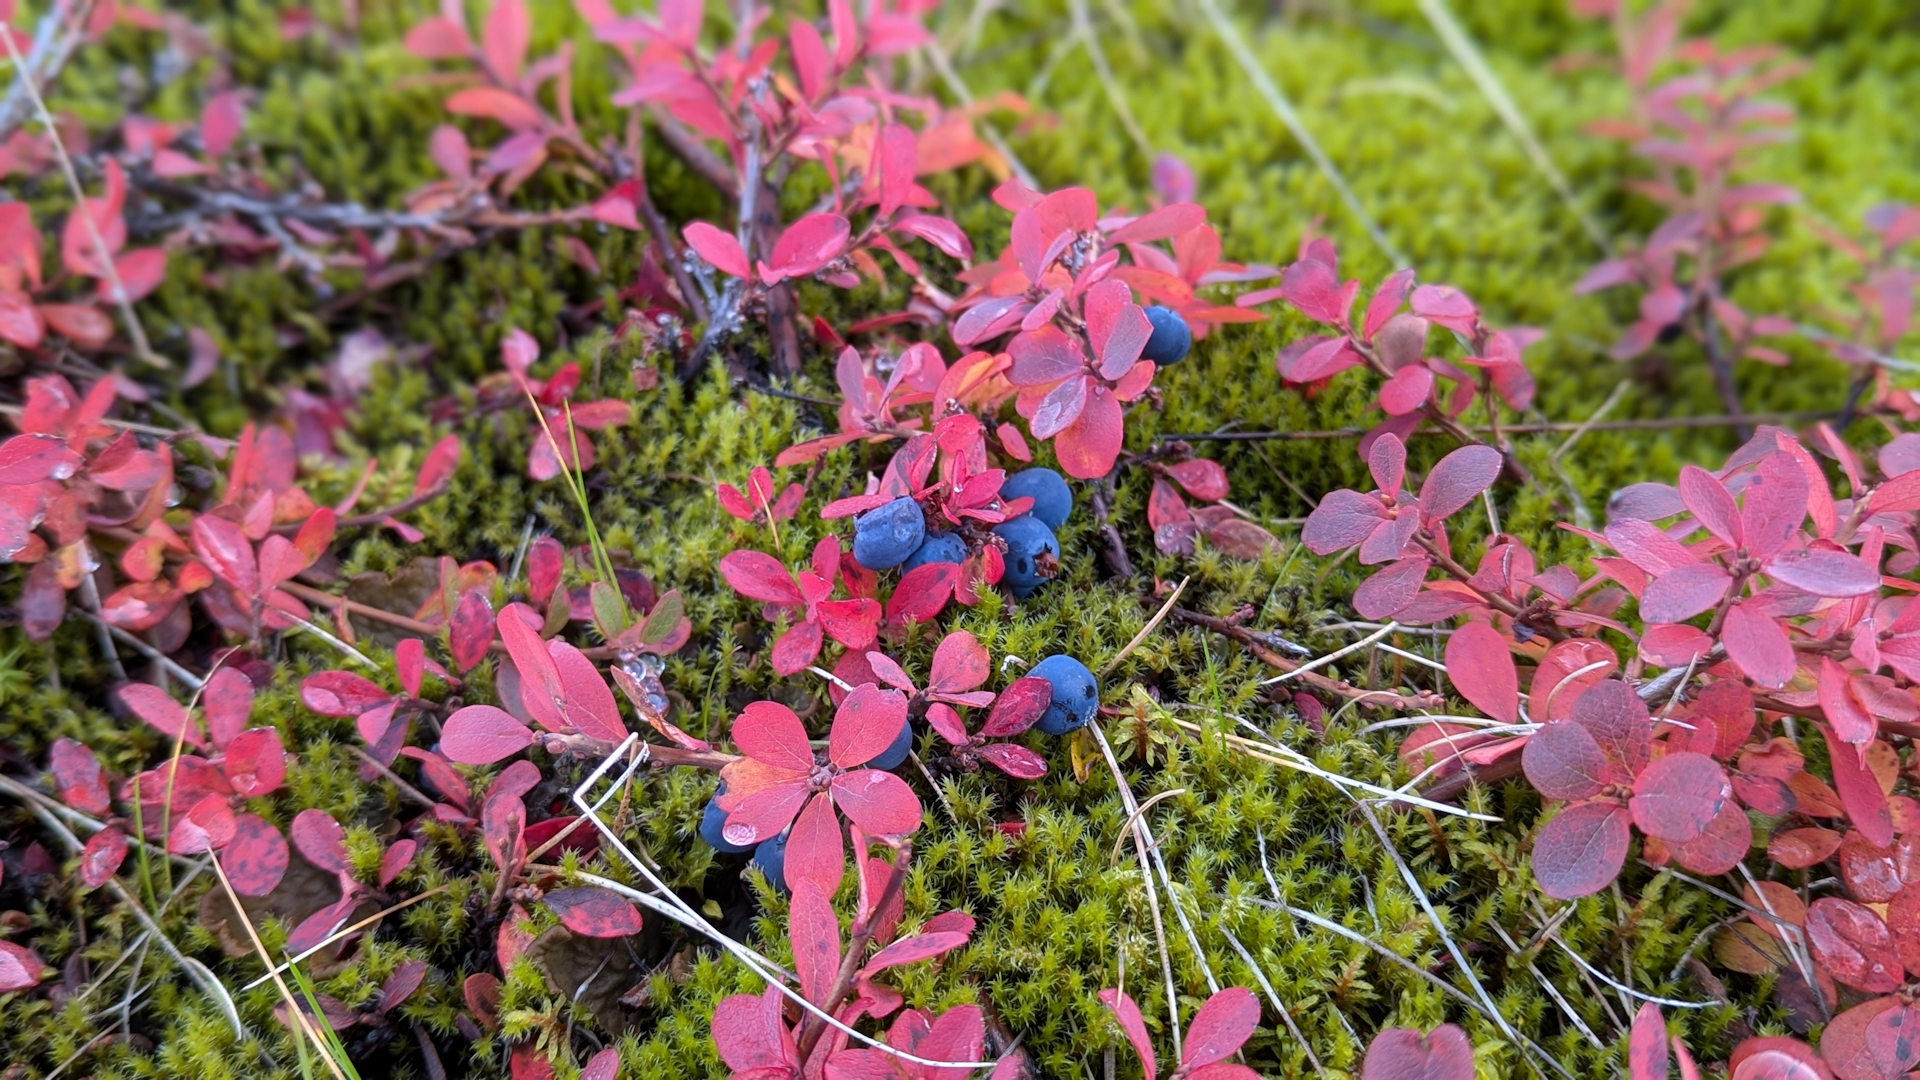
(893, 755)
(885, 536)
(713, 825)
(771, 858)
(937, 547)
(1027, 539)
(1052, 498)
(1171, 339)
(1075, 694)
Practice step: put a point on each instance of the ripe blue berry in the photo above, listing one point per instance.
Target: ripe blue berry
(937, 547)
(1171, 339)
(1075, 694)
(885, 536)
(771, 858)
(1052, 498)
(897, 752)
(713, 826)
(1028, 538)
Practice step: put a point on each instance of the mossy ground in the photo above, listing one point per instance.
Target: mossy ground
(1058, 914)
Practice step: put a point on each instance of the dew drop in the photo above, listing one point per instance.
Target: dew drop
(740, 835)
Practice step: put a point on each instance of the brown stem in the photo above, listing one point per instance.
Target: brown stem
(856, 954)
(783, 312)
(406, 789)
(1384, 699)
(657, 234)
(1113, 551)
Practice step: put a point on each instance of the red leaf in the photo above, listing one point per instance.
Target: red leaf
(1562, 761)
(482, 735)
(227, 552)
(165, 715)
(1797, 849)
(719, 248)
(894, 160)
(1756, 642)
(341, 693)
(1775, 504)
(220, 123)
(1384, 594)
(1860, 793)
(256, 858)
(1013, 759)
(438, 467)
(1446, 306)
(504, 36)
(879, 802)
(1851, 720)
(808, 245)
(1555, 687)
(1405, 1054)
(470, 632)
(1851, 942)
(866, 723)
(395, 860)
(750, 1034)
(960, 663)
(1314, 288)
(815, 933)
(1386, 302)
(604, 1065)
(1458, 479)
(1018, 707)
(227, 702)
(816, 855)
(595, 912)
(1343, 519)
(509, 109)
(1677, 796)
(20, 967)
(1167, 221)
(1204, 480)
(1134, 1025)
(1824, 573)
(82, 783)
(1723, 844)
(321, 840)
(438, 38)
(585, 702)
(759, 576)
(1707, 499)
(1647, 1046)
(1222, 1024)
(1406, 390)
(256, 763)
(1481, 667)
(1581, 850)
(938, 231)
(102, 856)
(1683, 592)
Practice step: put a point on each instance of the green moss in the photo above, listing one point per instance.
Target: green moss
(1058, 916)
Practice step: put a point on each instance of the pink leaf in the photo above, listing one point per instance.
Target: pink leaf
(1458, 479)
(1134, 1025)
(220, 123)
(1562, 761)
(1756, 642)
(1676, 797)
(100, 859)
(341, 693)
(1581, 850)
(256, 763)
(504, 36)
(594, 912)
(256, 858)
(1221, 1025)
(321, 840)
(759, 576)
(1405, 1054)
(808, 245)
(866, 723)
(1824, 573)
(879, 802)
(482, 735)
(20, 967)
(1446, 306)
(1386, 302)
(1707, 499)
(1314, 288)
(165, 715)
(1387, 592)
(510, 110)
(1481, 667)
(82, 783)
(1683, 592)
(719, 248)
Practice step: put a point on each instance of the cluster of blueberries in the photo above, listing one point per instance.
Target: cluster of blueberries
(1076, 694)
(895, 535)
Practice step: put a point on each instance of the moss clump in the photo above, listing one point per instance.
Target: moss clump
(1059, 916)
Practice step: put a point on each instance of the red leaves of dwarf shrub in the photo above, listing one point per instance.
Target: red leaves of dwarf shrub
(1406, 1054)
(779, 778)
(594, 912)
(1223, 1023)
(20, 968)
